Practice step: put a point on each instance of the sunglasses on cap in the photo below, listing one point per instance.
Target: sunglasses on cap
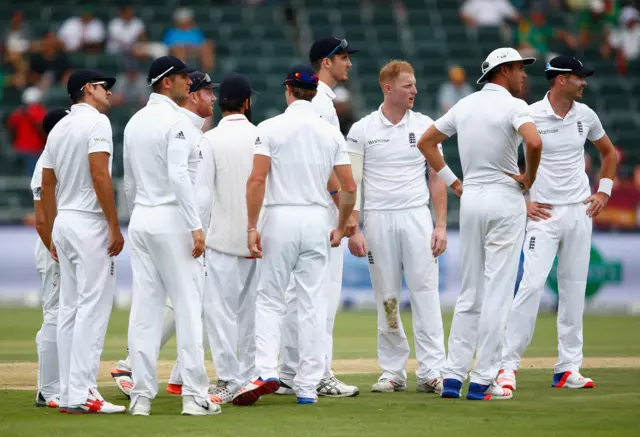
(203, 81)
(343, 45)
(103, 83)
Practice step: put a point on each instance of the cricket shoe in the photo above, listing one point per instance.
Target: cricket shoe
(193, 407)
(174, 389)
(250, 393)
(220, 393)
(451, 388)
(142, 407)
(286, 388)
(42, 402)
(493, 392)
(506, 379)
(95, 404)
(571, 379)
(430, 386)
(333, 387)
(122, 376)
(385, 385)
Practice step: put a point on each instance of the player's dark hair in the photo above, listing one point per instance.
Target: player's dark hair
(552, 82)
(316, 65)
(231, 105)
(303, 94)
(157, 87)
(76, 96)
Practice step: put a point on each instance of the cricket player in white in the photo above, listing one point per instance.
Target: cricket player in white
(330, 59)
(296, 151)
(197, 108)
(167, 238)
(230, 288)
(77, 190)
(48, 394)
(560, 211)
(400, 238)
(489, 124)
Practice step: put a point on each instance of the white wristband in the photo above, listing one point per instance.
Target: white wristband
(447, 175)
(605, 186)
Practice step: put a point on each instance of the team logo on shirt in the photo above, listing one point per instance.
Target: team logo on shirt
(532, 243)
(200, 155)
(580, 130)
(36, 192)
(180, 136)
(412, 139)
(258, 142)
(376, 142)
(548, 131)
(370, 256)
(112, 271)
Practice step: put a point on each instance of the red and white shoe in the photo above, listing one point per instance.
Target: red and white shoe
(570, 379)
(41, 402)
(174, 389)
(220, 393)
(122, 376)
(95, 404)
(385, 385)
(506, 379)
(250, 393)
(430, 386)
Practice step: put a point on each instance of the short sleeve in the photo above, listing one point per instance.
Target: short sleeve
(596, 131)
(46, 158)
(355, 139)
(262, 145)
(341, 157)
(521, 114)
(100, 137)
(447, 123)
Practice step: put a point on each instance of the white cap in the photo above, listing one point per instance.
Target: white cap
(629, 13)
(32, 95)
(183, 14)
(504, 55)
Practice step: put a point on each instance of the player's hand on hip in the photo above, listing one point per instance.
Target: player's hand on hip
(198, 243)
(598, 201)
(538, 211)
(336, 237)
(438, 241)
(351, 227)
(254, 244)
(457, 188)
(522, 180)
(116, 241)
(54, 252)
(357, 245)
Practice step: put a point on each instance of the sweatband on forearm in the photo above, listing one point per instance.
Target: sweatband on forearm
(347, 198)
(606, 185)
(447, 175)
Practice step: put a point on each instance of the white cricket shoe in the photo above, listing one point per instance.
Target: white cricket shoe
(122, 376)
(385, 385)
(506, 379)
(430, 386)
(570, 379)
(193, 407)
(333, 387)
(95, 403)
(492, 392)
(220, 393)
(142, 407)
(286, 388)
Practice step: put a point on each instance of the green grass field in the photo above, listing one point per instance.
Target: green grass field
(611, 409)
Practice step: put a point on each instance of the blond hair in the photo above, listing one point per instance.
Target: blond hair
(392, 70)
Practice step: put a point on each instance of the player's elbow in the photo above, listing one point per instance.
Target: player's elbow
(534, 143)
(350, 186)
(256, 179)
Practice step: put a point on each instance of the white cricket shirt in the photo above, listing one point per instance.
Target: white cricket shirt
(156, 154)
(195, 134)
(395, 170)
(85, 130)
(303, 148)
(323, 104)
(561, 177)
(487, 124)
(227, 161)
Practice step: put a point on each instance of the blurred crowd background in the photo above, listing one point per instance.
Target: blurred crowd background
(445, 40)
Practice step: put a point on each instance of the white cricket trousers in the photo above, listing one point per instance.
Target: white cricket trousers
(87, 288)
(332, 291)
(566, 234)
(230, 315)
(163, 267)
(492, 224)
(46, 344)
(400, 242)
(295, 240)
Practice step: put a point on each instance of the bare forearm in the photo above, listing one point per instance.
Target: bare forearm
(609, 164)
(532, 157)
(432, 154)
(48, 199)
(255, 198)
(103, 186)
(333, 187)
(41, 224)
(345, 210)
(356, 216)
(438, 190)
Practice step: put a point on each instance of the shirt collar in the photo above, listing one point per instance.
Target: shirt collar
(233, 117)
(195, 118)
(387, 122)
(83, 107)
(323, 87)
(156, 98)
(300, 106)
(494, 87)
(549, 109)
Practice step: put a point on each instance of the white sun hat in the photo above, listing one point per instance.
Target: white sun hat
(501, 56)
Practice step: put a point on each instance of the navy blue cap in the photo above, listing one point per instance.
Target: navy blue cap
(302, 76)
(329, 46)
(566, 65)
(236, 87)
(80, 78)
(166, 66)
(201, 81)
(52, 118)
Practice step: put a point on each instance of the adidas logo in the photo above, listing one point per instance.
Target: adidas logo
(201, 154)
(180, 136)
(258, 142)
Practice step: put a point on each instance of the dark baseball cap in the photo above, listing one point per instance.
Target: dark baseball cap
(566, 65)
(302, 76)
(166, 66)
(201, 81)
(235, 87)
(80, 78)
(329, 46)
(52, 118)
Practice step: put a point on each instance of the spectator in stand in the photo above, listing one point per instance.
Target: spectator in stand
(344, 108)
(25, 126)
(455, 89)
(125, 31)
(84, 33)
(626, 40)
(488, 13)
(596, 21)
(131, 87)
(17, 37)
(49, 66)
(188, 43)
(535, 36)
